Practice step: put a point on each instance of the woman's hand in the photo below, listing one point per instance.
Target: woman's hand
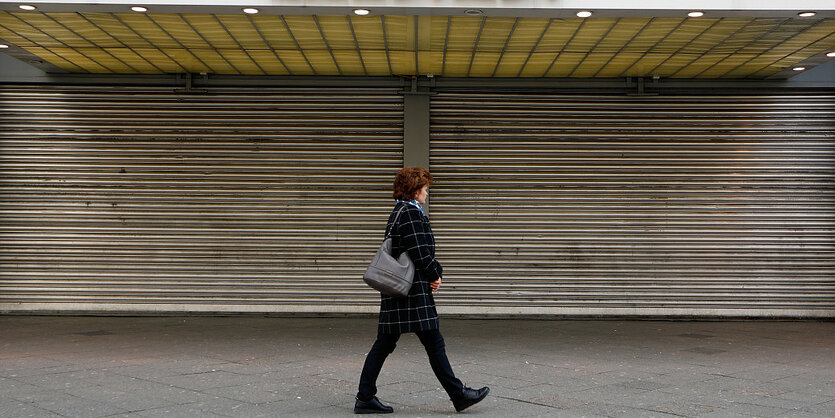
(435, 285)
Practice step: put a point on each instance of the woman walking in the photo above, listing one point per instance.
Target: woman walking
(415, 312)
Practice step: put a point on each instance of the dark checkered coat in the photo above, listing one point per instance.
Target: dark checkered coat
(415, 312)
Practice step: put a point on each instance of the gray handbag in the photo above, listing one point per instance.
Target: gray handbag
(389, 276)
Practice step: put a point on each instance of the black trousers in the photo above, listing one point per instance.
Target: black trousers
(432, 341)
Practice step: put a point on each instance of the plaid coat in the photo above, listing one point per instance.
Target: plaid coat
(415, 312)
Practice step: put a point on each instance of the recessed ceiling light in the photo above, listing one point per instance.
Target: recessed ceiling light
(250, 10)
(27, 7)
(139, 9)
(799, 68)
(584, 13)
(3, 46)
(361, 12)
(696, 14)
(806, 14)
(830, 54)
(473, 12)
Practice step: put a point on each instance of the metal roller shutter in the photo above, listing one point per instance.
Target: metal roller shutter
(708, 205)
(239, 200)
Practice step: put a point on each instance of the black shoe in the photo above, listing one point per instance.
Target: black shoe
(371, 407)
(470, 397)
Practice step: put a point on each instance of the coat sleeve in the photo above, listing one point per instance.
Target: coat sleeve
(416, 240)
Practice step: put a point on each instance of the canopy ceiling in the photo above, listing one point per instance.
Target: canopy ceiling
(453, 46)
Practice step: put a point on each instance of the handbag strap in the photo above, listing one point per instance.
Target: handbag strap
(394, 224)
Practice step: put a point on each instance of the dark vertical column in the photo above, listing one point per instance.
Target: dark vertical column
(416, 132)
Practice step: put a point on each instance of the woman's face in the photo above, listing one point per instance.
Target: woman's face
(422, 194)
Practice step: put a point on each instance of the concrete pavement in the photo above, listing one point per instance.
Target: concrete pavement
(309, 367)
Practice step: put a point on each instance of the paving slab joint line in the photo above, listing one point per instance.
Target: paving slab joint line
(525, 401)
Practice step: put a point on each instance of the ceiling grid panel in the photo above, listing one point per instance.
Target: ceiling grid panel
(525, 40)
(93, 32)
(642, 46)
(705, 44)
(298, 45)
(674, 59)
(102, 54)
(822, 33)
(327, 45)
(739, 56)
(562, 55)
(593, 50)
(75, 55)
(619, 56)
(406, 45)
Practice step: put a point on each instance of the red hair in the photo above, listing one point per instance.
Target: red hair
(409, 180)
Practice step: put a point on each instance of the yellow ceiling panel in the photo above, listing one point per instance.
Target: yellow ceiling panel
(54, 59)
(60, 34)
(12, 37)
(78, 58)
(407, 45)
(715, 35)
(117, 30)
(527, 34)
(306, 32)
(337, 30)
(683, 35)
(755, 64)
(589, 34)
(22, 29)
(131, 58)
(400, 30)
(295, 61)
(269, 61)
(655, 34)
(85, 29)
(565, 64)
(369, 31)
(103, 58)
(495, 34)
(484, 63)
(402, 62)
(198, 31)
(593, 63)
(769, 37)
(430, 62)
(623, 33)
(457, 63)
(720, 68)
(349, 62)
(537, 64)
(321, 61)
(558, 35)
(619, 64)
(746, 35)
(161, 60)
(213, 59)
(376, 62)
(698, 65)
(511, 64)
(241, 60)
(463, 31)
(243, 31)
(668, 66)
(192, 60)
(148, 29)
(648, 65)
(436, 32)
(789, 60)
(274, 31)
